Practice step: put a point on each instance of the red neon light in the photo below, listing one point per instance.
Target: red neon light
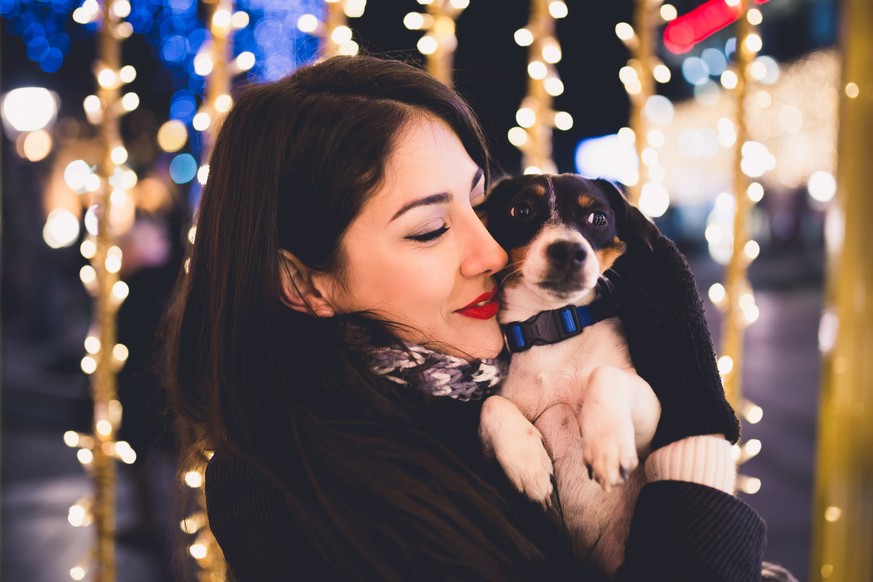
(684, 32)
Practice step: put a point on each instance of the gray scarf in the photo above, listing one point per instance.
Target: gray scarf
(429, 371)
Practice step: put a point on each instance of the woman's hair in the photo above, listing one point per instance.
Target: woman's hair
(293, 164)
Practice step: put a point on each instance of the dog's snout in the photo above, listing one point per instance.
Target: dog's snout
(566, 253)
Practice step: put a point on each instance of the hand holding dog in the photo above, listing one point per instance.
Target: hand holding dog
(666, 330)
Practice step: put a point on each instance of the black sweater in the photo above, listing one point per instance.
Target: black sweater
(680, 531)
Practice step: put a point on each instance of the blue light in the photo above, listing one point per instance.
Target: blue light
(183, 168)
(174, 48)
(51, 60)
(183, 106)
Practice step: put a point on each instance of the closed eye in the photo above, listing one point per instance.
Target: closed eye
(430, 235)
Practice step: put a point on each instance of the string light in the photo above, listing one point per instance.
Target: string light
(335, 36)
(439, 42)
(535, 116)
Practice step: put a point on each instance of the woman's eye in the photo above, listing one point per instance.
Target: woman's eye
(430, 235)
(521, 210)
(597, 218)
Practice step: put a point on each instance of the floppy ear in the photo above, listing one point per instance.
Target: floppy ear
(632, 225)
(299, 289)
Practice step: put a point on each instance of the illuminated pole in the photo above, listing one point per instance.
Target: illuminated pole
(440, 42)
(535, 117)
(336, 36)
(842, 504)
(642, 53)
(736, 282)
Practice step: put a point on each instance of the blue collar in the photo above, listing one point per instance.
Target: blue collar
(551, 327)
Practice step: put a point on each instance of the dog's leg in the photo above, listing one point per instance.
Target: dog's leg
(608, 435)
(518, 446)
(645, 412)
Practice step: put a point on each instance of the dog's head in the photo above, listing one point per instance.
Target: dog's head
(561, 232)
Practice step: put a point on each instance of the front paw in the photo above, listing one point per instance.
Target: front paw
(527, 465)
(610, 457)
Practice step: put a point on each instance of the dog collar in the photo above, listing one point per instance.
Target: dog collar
(551, 327)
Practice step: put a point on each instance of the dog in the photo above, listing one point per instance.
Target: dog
(572, 411)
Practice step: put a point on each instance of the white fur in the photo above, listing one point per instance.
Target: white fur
(571, 405)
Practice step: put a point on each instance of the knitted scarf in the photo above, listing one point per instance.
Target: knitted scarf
(429, 371)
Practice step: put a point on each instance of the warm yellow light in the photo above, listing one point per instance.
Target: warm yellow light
(103, 427)
(203, 64)
(121, 9)
(754, 43)
(245, 60)
(725, 365)
(355, 8)
(85, 456)
(551, 53)
(223, 103)
(460, 4)
(172, 136)
(624, 31)
(71, 438)
(107, 79)
(656, 138)
(729, 80)
(203, 174)
(754, 16)
(125, 452)
(752, 249)
(201, 121)
(113, 264)
(754, 414)
(523, 37)
(193, 479)
(627, 135)
(414, 20)
(120, 290)
(92, 344)
(118, 155)
(654, 199)
(120, 352)
(307, 23)
(129, 101)
(833, 513)
(517, 136)
(240, 19)
(537, 70)
(88, 364)
(662, 73)
(37, 145)
(427, 45)
(197, 551)
(87, 274)
(827, 570)
(61, 228)
(532, 170)
(563, 120)
(852, 90)
(553, 86)
(668, 12)
(341, 34)
(349, 48)
(752, 447)
(77, 572)
(77, 516)
(222, 18)
(717, 293)
(755, 192)
(525, 117)
(751, 485)
(557, 9)
(628, 74)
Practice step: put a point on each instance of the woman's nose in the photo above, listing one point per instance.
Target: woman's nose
(482, 253)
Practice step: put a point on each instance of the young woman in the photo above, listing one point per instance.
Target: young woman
(335, 336)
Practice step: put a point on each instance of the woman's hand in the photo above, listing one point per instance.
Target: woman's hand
(667, 334)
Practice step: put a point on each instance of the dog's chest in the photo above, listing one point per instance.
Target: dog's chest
(545, 375)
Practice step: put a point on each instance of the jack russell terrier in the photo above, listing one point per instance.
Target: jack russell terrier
(572, 411)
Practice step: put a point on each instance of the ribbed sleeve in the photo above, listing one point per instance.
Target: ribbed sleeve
(689, 532)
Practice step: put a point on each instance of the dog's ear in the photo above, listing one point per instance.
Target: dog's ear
(631, 224)
(302, 289)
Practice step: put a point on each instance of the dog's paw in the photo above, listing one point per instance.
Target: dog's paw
(609, 462)
(528, 466)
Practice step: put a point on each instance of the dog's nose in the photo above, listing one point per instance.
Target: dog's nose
(566, 253)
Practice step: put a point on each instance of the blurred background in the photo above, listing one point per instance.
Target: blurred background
(639, 92)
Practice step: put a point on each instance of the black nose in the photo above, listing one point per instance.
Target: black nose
(566, 253)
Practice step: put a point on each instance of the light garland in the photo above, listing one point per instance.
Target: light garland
(439, 42)
(535, 116)
(334, 33)
(647, 109)
(104, 357)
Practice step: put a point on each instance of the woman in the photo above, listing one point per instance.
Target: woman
(334, 339)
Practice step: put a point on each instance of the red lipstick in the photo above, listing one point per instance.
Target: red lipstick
(483, 307)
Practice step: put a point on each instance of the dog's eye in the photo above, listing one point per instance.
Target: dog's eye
(597, 218)
(520, 210)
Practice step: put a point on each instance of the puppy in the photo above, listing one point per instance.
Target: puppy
(572, 409)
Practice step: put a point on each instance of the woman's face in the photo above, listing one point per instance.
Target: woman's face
(418, 254)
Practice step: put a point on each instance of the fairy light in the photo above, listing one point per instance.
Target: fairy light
(535, 117)
(639, 75)
(439, 41)
(334, 33)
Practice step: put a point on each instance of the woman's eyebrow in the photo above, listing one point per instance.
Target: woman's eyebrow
(440, 198)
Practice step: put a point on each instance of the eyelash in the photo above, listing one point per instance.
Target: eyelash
(429, 236)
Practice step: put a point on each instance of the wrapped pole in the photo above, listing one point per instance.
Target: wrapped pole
(842, 505)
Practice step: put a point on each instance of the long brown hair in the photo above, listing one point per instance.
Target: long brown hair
(293, 164)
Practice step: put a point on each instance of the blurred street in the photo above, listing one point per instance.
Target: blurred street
(43, 396)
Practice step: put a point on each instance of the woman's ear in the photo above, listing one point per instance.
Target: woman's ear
(299, 289)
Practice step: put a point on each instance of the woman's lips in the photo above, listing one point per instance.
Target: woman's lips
(483, 307)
